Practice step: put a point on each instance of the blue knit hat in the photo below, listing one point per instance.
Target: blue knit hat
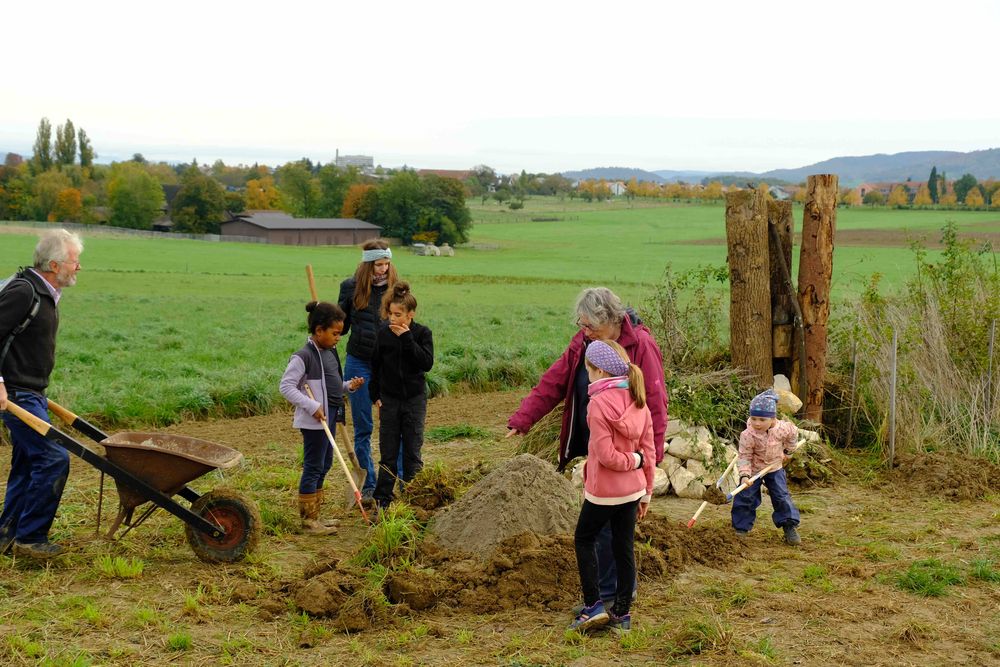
(764, 404)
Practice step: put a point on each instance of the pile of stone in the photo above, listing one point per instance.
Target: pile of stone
(693, 458)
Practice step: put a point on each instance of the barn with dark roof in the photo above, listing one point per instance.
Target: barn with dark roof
(280, 228)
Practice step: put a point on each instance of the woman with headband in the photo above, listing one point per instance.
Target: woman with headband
(361, 299)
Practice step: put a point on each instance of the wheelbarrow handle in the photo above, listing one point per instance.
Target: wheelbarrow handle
(718, 483)
(76, 421)
(64, 414)
(37, 424)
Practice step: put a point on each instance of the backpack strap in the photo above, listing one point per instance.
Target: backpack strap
(36, 304)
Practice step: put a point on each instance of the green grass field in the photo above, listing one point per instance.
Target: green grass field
(157, 329)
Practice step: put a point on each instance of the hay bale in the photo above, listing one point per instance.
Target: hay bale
(543, 438)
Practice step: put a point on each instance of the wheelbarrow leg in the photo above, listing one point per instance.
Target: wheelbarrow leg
(124, 515)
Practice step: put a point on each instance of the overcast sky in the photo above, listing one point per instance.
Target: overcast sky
(540, 85)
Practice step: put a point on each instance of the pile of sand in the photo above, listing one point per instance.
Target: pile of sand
(524, 495)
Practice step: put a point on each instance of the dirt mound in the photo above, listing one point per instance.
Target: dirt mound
(664, 546)
(341, 592)
(525, 494)
(947, 475)
(527, 570)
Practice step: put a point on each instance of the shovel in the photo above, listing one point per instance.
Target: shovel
(742, 487)
(718, 484)
(343, 464)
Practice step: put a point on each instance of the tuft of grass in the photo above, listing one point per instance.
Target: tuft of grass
(117, 567)
(702, 634)
(464, 637)
(816, 576)
(392, 539)
(929, 578)
(180, 641)
(878, 552)
(456, 431)
(985, 571)
(731, 596)
(915, 632)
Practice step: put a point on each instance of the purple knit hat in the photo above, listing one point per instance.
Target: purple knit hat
(764, 404)
(604, 357)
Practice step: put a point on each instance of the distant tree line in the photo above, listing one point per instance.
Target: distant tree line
(60, 182)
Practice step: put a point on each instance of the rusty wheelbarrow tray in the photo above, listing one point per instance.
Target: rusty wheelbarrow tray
(220, 526)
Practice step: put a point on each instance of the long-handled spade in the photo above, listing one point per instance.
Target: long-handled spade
(343, 463)
(718, 485)
(742, 487)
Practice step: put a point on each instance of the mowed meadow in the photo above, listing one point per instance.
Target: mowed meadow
(161, 329)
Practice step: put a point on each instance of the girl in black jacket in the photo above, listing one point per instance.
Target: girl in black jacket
(361, 300)
(404, 352)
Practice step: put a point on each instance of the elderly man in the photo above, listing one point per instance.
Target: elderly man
(38, 466)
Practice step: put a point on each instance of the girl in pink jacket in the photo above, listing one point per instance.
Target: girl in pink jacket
(618, 479)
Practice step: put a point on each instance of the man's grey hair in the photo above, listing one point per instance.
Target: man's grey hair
(600, 306)
(55, 246)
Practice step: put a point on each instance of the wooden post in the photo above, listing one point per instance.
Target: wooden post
(749, 282)
(819, 222)
(779, 217)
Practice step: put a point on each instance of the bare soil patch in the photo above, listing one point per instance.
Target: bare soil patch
(946, 475)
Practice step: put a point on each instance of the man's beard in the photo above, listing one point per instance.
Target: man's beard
(66, 278)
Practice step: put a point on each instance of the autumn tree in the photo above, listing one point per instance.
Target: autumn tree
(87, 153)
(65, 147)
(46, 188)
(41, 158)
(69, 206)
(713, 191)
(899, 197)
(135, 197)
(923, 196)
(199, 205)
(850, 197)
(352, 200)
(262, 194)
(300, 192)
(874, 198)
(974, 198)
(333, 185)
(964, 185)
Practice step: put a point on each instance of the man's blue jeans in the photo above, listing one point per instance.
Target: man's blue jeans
(38, 471)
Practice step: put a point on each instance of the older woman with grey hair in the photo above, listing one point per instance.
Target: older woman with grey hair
(600, 315)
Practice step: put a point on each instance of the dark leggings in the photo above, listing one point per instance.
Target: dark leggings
(592, 520)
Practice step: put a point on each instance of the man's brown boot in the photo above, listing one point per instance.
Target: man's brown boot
(309, 512)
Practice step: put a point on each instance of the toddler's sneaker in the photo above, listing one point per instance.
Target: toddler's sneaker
(792, 536)
(590, 617)
(620, 625)
(742, 534)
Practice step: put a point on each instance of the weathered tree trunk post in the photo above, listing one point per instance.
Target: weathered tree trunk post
(819, 222)
(749, 284)
(779, 217)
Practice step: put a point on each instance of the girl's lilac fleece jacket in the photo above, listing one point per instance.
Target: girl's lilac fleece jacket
(618, 429)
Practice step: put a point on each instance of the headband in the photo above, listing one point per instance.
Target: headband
(377, 253)
(604, 357)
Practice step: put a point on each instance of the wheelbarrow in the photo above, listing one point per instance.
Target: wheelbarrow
(220, 526)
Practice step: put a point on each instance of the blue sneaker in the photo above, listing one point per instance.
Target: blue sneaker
(593, 616)
(620, 625)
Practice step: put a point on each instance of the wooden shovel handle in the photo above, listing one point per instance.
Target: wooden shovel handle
(312, 282)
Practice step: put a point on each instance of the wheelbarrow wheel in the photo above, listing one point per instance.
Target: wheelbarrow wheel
(237, 515)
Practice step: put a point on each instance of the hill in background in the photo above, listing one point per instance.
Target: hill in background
(913, 165)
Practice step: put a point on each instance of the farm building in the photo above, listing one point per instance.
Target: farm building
(281, 228)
